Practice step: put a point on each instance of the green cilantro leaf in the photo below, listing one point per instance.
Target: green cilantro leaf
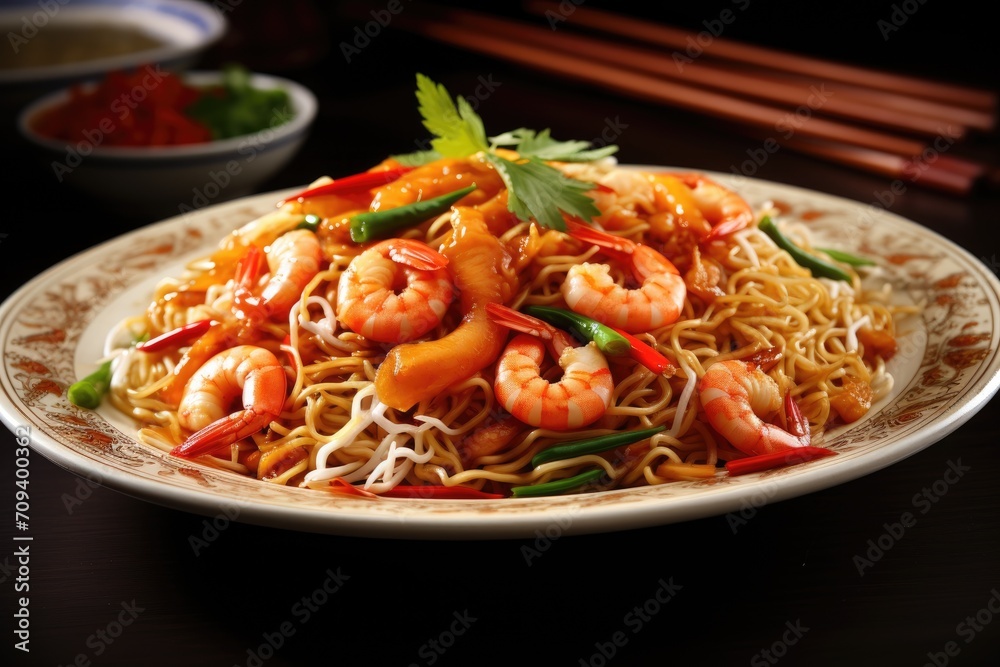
(458, 130)
(541, 145)
(536, 190)
(540, 191)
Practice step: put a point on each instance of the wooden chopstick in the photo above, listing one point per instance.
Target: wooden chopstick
(675, 38)
(653, 88)
(947, 114)
(846, 144)
(936, 174)
(817, 98)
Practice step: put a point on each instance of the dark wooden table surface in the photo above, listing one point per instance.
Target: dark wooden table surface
(116, 580)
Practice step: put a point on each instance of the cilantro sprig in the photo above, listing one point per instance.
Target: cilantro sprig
(536, 190)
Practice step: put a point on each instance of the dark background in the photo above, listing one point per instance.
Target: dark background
(742, 586)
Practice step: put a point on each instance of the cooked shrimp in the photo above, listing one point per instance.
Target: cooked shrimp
(491, 439)
(438, 178)
(736, 395)
(395, 291)
(703, 278)
(580, 397)
(725, 211)
(589, 289)
(246, 371)
(292, 260)
(481, 265)
(264, 229)
(213, 341)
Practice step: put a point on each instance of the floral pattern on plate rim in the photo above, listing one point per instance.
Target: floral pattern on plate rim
(953, 345)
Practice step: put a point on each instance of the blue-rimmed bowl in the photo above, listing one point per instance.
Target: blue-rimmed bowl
(171, 180)
(54, 44)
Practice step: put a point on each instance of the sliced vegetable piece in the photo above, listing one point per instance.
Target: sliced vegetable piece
(847, 258)
(593, 445)
(175, 338)
(607, 339)
(777, 459)
(345, 488)
(310, 222)
(377, 224)
(366, 180)
(557, 486)
(817, 266)
(647, 355)
(686, 471)
(236, 108)
(88, 392)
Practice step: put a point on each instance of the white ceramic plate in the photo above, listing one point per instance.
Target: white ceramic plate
(52, 330)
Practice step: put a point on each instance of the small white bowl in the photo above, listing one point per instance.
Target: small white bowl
(183, 28)
(173, 180)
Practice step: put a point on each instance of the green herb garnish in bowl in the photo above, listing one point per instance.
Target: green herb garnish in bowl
(236, 108)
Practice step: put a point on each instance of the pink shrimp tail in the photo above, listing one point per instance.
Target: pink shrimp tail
(588, 234)
(518, 321)
(734, 391)
(263, 399)
(248, 271)
(416, 255)
(765, 359)
(729, 226)
(797, 424)
(556, 338)
(223, 433)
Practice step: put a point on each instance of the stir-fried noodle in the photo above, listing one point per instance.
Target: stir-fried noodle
(390, 364)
